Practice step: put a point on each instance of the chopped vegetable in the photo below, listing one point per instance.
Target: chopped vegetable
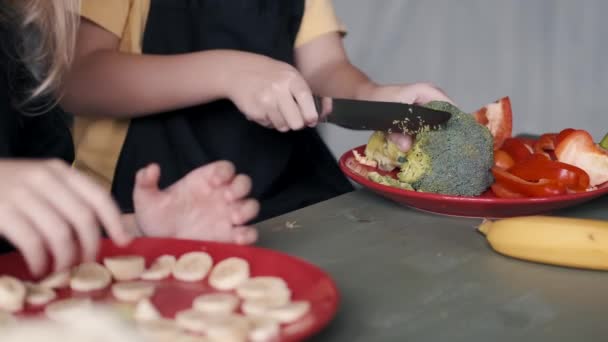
(604, 142)
(387, 180)
(498, 118)
(542, 188)
(579, 149)
(534, 170)
(516, 149)
(503, 160)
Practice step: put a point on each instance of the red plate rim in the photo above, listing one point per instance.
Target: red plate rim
(344, 159)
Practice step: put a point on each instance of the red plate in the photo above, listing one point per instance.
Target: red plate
(306, 281)
(486, 205)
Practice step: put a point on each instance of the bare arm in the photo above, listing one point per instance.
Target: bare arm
(106, 82)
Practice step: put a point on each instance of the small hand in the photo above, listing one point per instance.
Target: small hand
(209, 203)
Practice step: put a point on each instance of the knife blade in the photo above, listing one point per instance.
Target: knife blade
(382, 116)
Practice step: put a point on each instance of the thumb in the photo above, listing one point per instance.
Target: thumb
(146, 181)
(403, 141)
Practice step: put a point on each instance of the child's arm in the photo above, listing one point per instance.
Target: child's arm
(106, 82)
(325, 66)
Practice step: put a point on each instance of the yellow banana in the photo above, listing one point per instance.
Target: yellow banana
(571, 242)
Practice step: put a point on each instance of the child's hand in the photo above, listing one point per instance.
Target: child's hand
(271, 93)
(207, 204)
(47, 207)
(418, 93)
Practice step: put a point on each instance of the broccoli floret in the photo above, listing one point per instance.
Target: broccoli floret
(455, 160)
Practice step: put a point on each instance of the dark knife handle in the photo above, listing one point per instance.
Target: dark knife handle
(318, 103)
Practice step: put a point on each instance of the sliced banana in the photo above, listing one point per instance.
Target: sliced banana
(261, 305)
(37, 295)
(128, 267)
(6, 319)
(227, 328)
(146, 311)
(192, 320)
(216, 303)
(90, 276)
(229, 273)
(192, 266)
(160, 330)
(67, 310)
(264, 329)
(289, 313)
(191, 338)
(12, 294)
(160, 269)
(132, 291)
(56, 280)
(258, 287)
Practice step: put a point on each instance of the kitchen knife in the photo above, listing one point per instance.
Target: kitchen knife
(382, 116)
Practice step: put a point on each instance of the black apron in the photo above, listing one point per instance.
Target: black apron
(289, 170)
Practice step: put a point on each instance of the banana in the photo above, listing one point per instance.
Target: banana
(229, 273)
(216, 303)
(6, 319)
(263, 329)
(67, 310)
(146, 311)
(191, 320)
(132, 291)
(12, 294)
(123, 268)
(571, 242)
(90, 276)
(192, 266)
(160, 269)
(289, 313)
(227, 328)
(261, 305)
(56, 280)
(160, 330)
(38, 295)
(258, 287)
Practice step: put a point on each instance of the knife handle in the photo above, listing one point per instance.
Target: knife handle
(318, 104)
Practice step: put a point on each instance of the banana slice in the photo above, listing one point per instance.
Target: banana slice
(227, 328)
(290, 313)
(132, 291)
(229, 273)
(192, 266)
(161, 268)
(37, 295)
(191, 338)
(146, 311)
(261, 305)
(127, 267)
(67, 310)
(90, 276)
(12, 294)
(192, 320)
(216, 303)
(56, 280)
(6, 319)
(264, 329)
(160, 330)
(259, 287)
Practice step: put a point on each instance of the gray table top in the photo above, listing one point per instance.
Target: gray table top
(406, 275)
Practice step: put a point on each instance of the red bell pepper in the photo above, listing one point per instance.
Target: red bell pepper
(534, 170)
(503, 192)
(578, 148)
(516, 149)
(546, 142)
(503, 160)
(542, 188)
(498, 117)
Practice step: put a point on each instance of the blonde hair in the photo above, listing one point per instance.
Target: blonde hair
(46, 31)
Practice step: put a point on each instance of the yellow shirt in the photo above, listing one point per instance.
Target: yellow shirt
(99, 142)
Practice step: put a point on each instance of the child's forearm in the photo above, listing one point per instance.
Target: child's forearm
(114, 84)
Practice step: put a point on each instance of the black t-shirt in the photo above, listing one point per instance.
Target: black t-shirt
(25, 136)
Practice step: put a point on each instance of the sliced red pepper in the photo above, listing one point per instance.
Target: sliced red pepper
(503, 160)
(546, 142)
(579, 149)
(542, 188)
(535, 169)
(516, 149)
(503, 192)
(498, 117)
(563, 134)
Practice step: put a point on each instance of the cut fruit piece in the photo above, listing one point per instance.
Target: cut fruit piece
(38, 295)
(192, 266)
(264, 329)
(90, 277)
(191, 320)
(160, 269)
(229, 273)
(132, 291)
(291, 312)
(227, 328)
(161, 330)
(6, 319)
(127, 267)
(56, 280)
(216, 303)
(67, 310)
(146, 311)
(12, 294)
(191, 338)
(260, 305)
(258, 287)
